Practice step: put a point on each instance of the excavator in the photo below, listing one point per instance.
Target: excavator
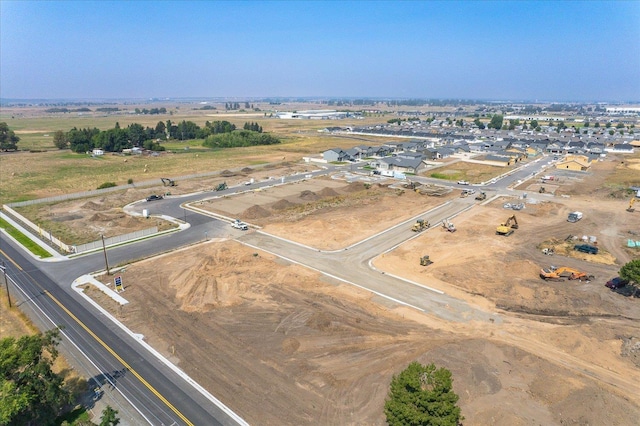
(564, 272)
(425, 261)
(481, 196)
(421, 225)
(168, 182)
(630, 209)
(508, 227)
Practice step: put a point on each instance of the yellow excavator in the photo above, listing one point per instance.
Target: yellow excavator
(421, 225)
(508, 227)
(630, 209)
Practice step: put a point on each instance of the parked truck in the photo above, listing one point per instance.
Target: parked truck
(574, 217)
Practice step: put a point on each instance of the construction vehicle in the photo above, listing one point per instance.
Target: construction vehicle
(421, 225)
(222, 186)
(548, 251)
(630, 209)
(467, 192)
(586, 248)
(508, 227)
(564, 272)
(549, 274)
(168, 182)
(542, 190)
(448, 226)
(481, 196)
(425, 261)
(574, 217)
(410, 185)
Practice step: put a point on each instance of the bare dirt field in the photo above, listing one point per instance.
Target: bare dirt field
(281, 344)
(84, 220)
(323, 213)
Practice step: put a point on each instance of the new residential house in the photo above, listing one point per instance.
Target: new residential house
(402, 164)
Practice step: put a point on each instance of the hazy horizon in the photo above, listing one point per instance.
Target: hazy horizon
(486, 51)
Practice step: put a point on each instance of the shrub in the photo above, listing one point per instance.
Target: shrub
(107, 185)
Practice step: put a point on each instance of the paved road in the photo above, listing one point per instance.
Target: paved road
(162, 396)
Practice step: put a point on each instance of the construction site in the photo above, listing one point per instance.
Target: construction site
(282, 343)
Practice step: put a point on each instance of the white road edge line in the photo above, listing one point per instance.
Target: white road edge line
(113, 385)
(79, 281)
(334, 277)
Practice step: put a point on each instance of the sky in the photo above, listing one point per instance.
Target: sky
(512, 50)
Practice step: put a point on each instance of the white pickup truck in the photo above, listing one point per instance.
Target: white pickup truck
(238, 224)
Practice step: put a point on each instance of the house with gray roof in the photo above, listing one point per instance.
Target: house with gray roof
(400, 164)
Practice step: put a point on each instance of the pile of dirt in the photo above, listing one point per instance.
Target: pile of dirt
(282, 205)
(354, 187)
(327, 192)
(90, 205)
(227, 173)
(309, 196)
(255, 212)
(100, 217)
(247, 170)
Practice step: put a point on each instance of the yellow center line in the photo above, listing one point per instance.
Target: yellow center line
(104, 345)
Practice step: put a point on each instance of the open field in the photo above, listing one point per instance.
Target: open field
(463, 170)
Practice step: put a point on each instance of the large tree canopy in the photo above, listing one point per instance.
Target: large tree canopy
(631, 271)
(422, 395)
(496, 122)
(8, 139)
(30, 392)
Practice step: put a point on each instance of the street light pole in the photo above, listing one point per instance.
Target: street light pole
(6, 283)
(104, 249)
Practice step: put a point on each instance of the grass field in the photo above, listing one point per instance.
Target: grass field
(471, 172)
(32, 175)
(24, 240)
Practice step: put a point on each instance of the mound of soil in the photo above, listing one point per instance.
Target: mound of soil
(255, 212)
(100, 217)
(247, 170)
(282, 205)
(309, 196)
(354, 187)
(327, 192)
(92, 206)
(227, 173)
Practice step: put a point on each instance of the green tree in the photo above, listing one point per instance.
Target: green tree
(60, 140)
(631, 271)
(534, 124)
(608, 124)
(612, 132)
(8, 139)
(496, 122)
(586, 123)
(109, 417)
(620, 126)
(422, 395)
(596, 125)
(479, 123)
(30, 392)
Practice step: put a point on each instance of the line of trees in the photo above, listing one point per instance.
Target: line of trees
(31, 393)
(136, 135)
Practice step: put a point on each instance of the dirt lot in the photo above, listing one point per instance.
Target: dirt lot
(281, 344)
(84, 220)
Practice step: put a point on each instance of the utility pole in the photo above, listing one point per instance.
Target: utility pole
(6, 283)
(104, 249)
